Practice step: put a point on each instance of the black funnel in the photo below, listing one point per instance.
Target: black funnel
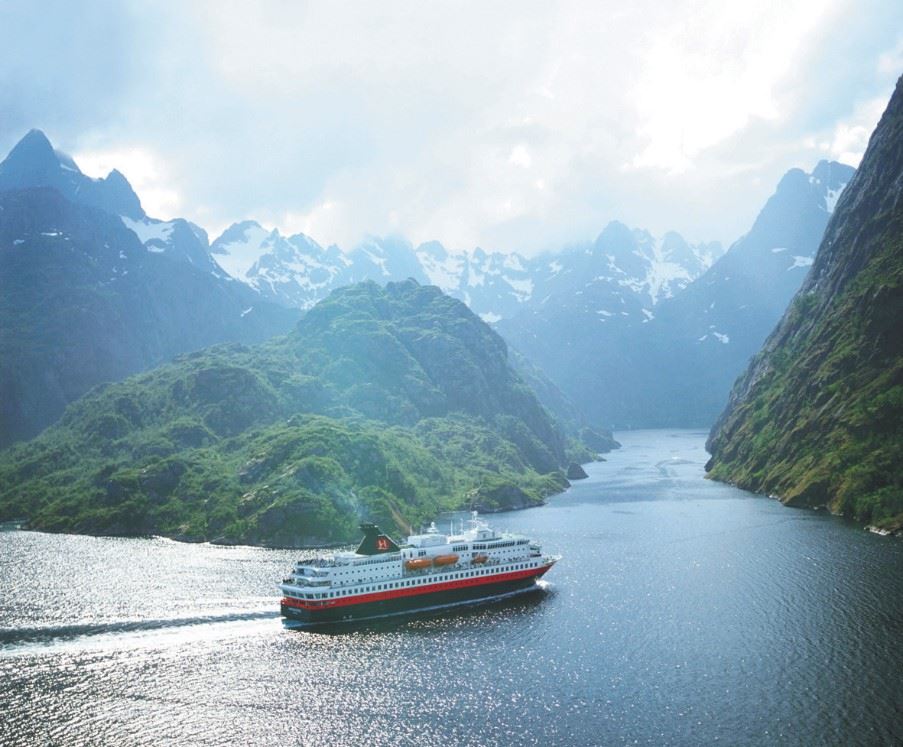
(375, 542)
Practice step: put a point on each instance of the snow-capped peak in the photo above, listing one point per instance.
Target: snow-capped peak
(241, 246)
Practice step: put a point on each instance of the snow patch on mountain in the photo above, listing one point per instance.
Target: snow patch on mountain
(832, 196)
(801, 262)
(442, 268)
(148, 229)
(622, 264)
(243, 244)
(377, 259)
(663, 278)
(522, 288)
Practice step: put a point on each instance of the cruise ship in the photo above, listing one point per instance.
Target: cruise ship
(431, 570)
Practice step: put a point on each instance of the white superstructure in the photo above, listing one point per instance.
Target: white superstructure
(427, 563)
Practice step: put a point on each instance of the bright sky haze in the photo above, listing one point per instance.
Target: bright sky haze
(513, 126)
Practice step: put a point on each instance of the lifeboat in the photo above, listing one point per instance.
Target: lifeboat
(481, 558)
(417, 564)
(441, 560)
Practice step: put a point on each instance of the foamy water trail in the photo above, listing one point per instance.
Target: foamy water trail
(32, 639)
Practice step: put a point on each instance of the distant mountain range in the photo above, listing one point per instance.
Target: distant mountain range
(635, 358)
(297, 271)
(636, 330)
(620, 277)
(92, 289)
(138, 290)
(639, 331)
(817, 417)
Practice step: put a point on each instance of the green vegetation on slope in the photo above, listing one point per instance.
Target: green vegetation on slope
(383, 404)
(818, 417)
(826, 424)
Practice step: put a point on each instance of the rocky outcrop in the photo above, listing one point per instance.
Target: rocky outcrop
(575, 472)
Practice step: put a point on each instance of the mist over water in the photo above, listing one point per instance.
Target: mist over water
(683, 612)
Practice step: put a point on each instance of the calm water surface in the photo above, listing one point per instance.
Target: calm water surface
(684, 612)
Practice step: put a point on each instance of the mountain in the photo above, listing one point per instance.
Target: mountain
(493, 284)
(89, 295)
(34, 163)
(383, 403)
(541, 304)
(297, 271)
(666, 354)
(817, 417)
(179, 240)
(622, 263)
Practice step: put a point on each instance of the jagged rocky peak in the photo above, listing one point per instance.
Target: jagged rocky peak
(621, 245)
(32, 158)
(297, 251)
(237, 232)
(33, 162)
(827, 176)
(116, 195)
(241, 245)
(674, 248)
(799, 209)
(384, 258)
(830, 177)
(433, 249)
(614, 237)
(305, 243)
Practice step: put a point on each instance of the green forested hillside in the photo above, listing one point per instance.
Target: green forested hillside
(817, 419)
(387, 404)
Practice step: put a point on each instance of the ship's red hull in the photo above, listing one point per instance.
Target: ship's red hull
(412, 599)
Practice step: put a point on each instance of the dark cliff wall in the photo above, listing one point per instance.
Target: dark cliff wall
(817, 418)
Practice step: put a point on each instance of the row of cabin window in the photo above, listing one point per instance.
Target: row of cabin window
(404, 584)
(372, 561)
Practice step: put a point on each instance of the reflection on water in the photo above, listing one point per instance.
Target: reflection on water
(683, 612)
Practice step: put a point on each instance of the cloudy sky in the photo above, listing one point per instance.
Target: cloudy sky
(509, 125)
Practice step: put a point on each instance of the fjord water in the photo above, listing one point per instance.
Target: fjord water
(683, 612)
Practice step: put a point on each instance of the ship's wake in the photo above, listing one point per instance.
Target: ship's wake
(51, 634)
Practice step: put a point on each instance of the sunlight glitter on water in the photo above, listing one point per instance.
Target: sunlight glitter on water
(683, 612)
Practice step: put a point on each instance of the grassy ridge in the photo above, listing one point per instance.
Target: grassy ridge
(388, 404)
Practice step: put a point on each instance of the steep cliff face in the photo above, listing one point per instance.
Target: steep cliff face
(92, 290)
(83, 302)
(34, 163)
(817, 418)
